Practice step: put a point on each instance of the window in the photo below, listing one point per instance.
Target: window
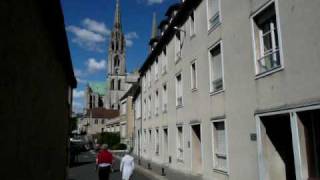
(214, 13)
(157, 142)
(123, 108)
(149, 107)
(119, 84)
(156, 69)
(96, 121)
(112, 84)
(149, 77)
(150, 137)
(192, 26)
(144, 109)
(177, 46)
(137, 107)
(102, 121)
(266, 42)
(164, 98)
(179, 143)
(164, 61)
(144, 83)
(219, 144)
(193, 76)
(156, 103)
(216, 81)
(179, 90)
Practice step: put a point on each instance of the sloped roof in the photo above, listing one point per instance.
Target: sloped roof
(99, 87)
(102, 113)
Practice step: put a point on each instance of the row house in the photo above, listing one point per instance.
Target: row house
(230, 91)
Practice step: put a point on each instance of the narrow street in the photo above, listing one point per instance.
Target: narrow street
(85, 169)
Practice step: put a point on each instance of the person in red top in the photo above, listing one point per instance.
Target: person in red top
(104, 162)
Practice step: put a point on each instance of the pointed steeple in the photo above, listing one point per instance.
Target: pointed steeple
(117, 16)
(154, 32)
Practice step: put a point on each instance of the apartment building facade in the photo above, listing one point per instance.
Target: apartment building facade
(230, 90)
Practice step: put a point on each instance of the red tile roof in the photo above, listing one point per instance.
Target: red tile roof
(102, 113)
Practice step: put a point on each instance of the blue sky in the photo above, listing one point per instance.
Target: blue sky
(88, 25)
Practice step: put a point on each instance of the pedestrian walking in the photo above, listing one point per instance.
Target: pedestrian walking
(104, 162)
(127, 166)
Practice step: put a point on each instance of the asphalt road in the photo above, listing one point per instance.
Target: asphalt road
(85, 169)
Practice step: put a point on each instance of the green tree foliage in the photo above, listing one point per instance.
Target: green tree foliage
(109, 138)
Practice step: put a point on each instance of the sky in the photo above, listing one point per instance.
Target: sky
(88, 26)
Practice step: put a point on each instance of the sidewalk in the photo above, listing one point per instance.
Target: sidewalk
(169, 173)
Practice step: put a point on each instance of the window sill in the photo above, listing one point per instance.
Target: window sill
(192, 36)
(179, 106)
(216, 92)
(220, 171)
(194, 89)
(270, 72)
(213, 27)
(180, 161)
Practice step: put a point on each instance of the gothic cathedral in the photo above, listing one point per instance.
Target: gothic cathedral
(117, 76)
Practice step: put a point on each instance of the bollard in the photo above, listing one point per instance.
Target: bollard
(162, 172)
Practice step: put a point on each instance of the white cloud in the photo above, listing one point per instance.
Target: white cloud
(150, 2)
(86, 38)
(77, 106)
(93, 65)
(130, 37)
(78, 94)
(91, 35)
(97, 27)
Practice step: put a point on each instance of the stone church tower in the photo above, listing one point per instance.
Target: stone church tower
(116, 85)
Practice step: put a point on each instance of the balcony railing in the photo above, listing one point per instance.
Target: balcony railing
(217, 85)
(165, 108)
(179, 101)
(270, 61)
(214, 20)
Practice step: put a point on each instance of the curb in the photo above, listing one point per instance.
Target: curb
(146, 172)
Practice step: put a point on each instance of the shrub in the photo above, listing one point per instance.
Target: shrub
(119, 146)
(109, 138)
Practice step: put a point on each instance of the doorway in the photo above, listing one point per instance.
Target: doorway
(196, 150)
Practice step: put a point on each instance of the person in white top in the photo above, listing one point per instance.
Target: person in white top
(127, 166)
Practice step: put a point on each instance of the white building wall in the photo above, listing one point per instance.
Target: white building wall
(243, 94)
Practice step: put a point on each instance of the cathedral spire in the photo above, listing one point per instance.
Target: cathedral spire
(117, 16)
(154, 32)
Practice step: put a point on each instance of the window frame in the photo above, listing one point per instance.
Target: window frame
(209, 16)
(192, 23)
(178, 90)
(224, 171)
(194, 85)
(181, 143)
(211, 89)
(259, 74)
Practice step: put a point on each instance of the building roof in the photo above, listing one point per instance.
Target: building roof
(98, 87)
(131, 91)
(181, 16)
(102, 113)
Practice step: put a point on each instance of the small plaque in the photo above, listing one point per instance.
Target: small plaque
(253, 137)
